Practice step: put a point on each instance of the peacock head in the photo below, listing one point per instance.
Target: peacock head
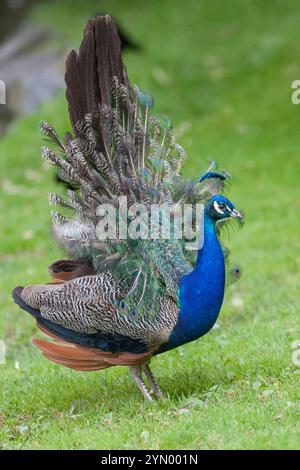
(220, 208)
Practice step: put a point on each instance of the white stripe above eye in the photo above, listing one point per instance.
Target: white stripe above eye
(216, 206)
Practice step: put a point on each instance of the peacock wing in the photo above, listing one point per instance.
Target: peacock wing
(87, 306)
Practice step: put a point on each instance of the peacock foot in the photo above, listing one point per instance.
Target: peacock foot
(137, 374)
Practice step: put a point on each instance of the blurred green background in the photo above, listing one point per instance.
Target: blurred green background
(222, 71)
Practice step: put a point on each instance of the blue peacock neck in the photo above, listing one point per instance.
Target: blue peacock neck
(201, 292)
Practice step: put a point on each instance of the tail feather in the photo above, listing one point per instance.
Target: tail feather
(68, 350)
(84, 358)
(65, 270)
(89, 73)
(44, 330)
(81, 358)
(121, 149)
(71, 355)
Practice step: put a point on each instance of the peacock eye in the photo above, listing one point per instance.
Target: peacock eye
(222, 207)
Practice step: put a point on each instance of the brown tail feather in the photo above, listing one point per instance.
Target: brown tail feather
(87, 368)
(84, 358)
(62, 277)
(89, 73)
(72, 356)
(65, 270)
(68, 350)
(47, 332)
(77, 365)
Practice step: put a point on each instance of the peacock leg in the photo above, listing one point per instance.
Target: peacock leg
(136, 373)
(148, 373)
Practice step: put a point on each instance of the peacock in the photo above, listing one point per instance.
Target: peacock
(115, 299)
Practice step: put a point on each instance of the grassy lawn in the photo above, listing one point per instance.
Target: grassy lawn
(222, 71)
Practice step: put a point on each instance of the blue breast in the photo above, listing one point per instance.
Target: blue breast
(200, 293)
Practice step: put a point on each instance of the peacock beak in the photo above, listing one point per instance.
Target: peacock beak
(236, 214)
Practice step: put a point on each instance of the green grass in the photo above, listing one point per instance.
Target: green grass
(222, 72)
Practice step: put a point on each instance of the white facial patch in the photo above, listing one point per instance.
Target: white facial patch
(217, 208)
